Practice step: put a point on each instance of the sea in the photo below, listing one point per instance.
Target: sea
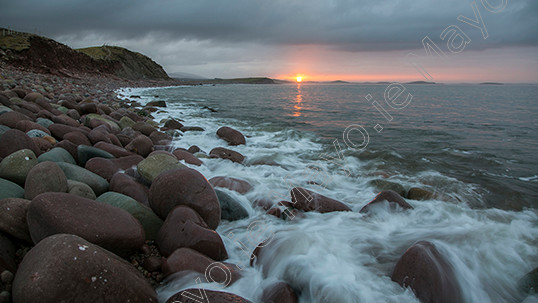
(473, 146)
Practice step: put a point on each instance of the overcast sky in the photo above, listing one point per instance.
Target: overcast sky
(320, 39)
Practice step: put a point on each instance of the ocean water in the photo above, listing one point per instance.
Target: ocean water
(474, 146)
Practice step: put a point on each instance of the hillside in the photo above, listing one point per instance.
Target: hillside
(43, 55)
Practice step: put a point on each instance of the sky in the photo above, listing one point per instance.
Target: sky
(352, 40)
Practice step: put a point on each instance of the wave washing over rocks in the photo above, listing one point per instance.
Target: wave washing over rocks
(100, 203)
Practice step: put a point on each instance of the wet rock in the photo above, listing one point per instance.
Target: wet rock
(106, 168)
(156, 164)
(228, 154)
(307, 200)
(187, 187)
(115, 150)
(32, 97)
(13, 218)
(185, 228)
(274, 212)
(99, 135)
(16, 166)
(57, 154)
(230, 208)
(390, 196)
(230, 135)
(86, 153)
(212, 296)
(107, 226)
(194, 149)
(113, 126)
(159, 138)
(279, 292)
(192, 129)
(45, 177)
(141, 145)
(73, 172)
(9, 189)
(423, 269)
(528, 284)
(67, 268)
(173, 124)
(156, 103)
(88, 108)
(149, 220)
(238, 185)
(184, 259)
(127, 185)
(416, 193)
(382, 185)
(14, 140)
(187, 157)
(80, 189)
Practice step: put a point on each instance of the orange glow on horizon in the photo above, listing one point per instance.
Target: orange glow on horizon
(299, 79)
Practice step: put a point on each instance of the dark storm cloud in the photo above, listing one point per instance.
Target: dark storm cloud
(349, 25)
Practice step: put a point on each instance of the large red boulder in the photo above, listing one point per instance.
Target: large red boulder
(127, 185)
(307, 200)
(279, 292)
(106, 168)
(392, 197)
(185, 186)
(230, 135)
(423, 269)
(238, 185)
(213, 296)
(14, 140)
(227, 154)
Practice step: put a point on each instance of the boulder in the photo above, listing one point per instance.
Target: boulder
(114, 150)
(126, 122)
(57, 154)
(156, 103)
(173, 124)
(11, 118)
(390, 196)
(85, 153)
(187, 157)
(306, 200)
(185, 186)
(78, 138)
(185, 228)
(73, 172)
(213, 296)
(13, 218)
(156, 164)
(60, 130)
(528, 284)
(67, 268)
(416, 193)
(227, 154)
(230, 135)
(80, 189)
(149, 220)
(279, 292)
(238, 185)
(106, 168)
(186, 259)
(44, 122)
(7, 255)
(141, 145)
(26, 126)
(9, 189)
(230, 208)
(107, 226)
(144, 128)
(16, 166)
(382, 185)
(194, 149)
(127, 185)
(14, 140)
(43, 178)
(423, 269)
(192, 129)
(68, 146)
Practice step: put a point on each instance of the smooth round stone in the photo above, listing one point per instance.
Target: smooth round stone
(213, 296)
(80, 189)
(85, 153)
(36, 133)
(156, 164)
(57, 154)
(9, 189)
(16, 166)
(149, 220)
(109, 227)
(230, 208)
(113, 125)
(4, 129)
(14, 140)
(45, 177)
(73, 172)
(44, 122)
(67, 268)
(13, 218)
(126, 122)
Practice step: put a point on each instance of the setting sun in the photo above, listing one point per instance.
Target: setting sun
(299, 78)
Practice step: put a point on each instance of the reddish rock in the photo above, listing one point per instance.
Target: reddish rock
(144, 128)
(274, 212)
(279, 292)
(127, 185)
(25, 126)
(99, 135)
(183, 259)
(212, 296)
(185, 228)
(106, 168)
(194, 149)
(14, 140)
(228, 154)
(77, 138)
(173, 124)
(10, 119)
(109, 227)
(43, 144)
(187, 157)
(67, 268)
(238, 185)
(13, 218)
(88, 108)
(185, 186)
(60, 130)
(21, 93)
(416, 193)
(264, 203)
(62, 118)
(423, 269)
(115, 140)
(390, 196)
(230, 135)
(113, 149)
(44, 177)
(159, 138)
(141, 145)
(307, 200)
(32, 97)
(69, 147)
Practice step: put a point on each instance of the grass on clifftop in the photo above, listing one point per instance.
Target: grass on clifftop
(107, 52)
(16, 41)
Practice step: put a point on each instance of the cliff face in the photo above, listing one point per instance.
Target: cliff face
(44, 55)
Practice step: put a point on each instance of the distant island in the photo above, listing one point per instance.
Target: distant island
(420, 82)
(491, 83)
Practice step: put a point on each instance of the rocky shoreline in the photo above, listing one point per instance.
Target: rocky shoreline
(97, 206)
